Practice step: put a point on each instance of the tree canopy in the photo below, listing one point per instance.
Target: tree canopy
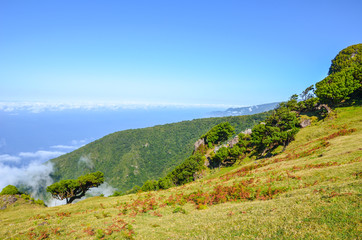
(10, 190)
(278, 129)
(219, 133)
(72, 189)
(339, 86)
(349, 57)
(345, 77)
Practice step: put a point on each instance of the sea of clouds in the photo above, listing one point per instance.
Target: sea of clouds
(37, 107)
(35, 175)
(32, 171)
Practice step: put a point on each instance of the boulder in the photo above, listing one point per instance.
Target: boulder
(305, 123)
(247, 131)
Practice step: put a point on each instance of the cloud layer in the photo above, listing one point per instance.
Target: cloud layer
(35, 176)
(37, 107)
(41, 155)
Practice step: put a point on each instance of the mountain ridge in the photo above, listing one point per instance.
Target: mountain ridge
(133, 156)
(249, 110)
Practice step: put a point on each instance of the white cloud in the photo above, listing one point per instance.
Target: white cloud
(37, 107)
(79, 143)
(9, 158)
(65, 147)
(41, 155)
(35, 176)
(104, 189)
(87, 161)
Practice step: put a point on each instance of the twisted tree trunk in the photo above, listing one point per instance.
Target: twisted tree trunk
(329, 110)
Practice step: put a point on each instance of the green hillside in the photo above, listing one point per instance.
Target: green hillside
(310, 191)
(279, 182)
(131, 157)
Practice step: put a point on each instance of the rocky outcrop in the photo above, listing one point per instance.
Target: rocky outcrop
(233, 141)
(6, 201)
(247, 131)
(305, 123)
(198, 143)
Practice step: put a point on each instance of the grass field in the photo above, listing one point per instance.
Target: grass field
(311, 191)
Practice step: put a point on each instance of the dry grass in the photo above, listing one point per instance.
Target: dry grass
(318, 179)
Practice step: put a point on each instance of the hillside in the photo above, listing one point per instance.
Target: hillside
(131, 157)
(311, 191)
(246, 110)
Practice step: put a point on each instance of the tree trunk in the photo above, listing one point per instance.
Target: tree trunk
(76, 197)
(329, 110)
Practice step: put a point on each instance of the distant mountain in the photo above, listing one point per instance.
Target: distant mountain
(245, 110)
(131, 157)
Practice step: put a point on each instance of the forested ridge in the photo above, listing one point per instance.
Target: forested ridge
(131, 157)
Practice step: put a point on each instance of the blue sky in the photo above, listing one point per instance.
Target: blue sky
(186, 52)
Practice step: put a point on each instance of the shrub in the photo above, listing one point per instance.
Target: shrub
(219, 133)
(179, 210)
(9, 190)
(25, 196)
(339, 86)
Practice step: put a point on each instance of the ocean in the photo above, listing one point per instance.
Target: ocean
(27, 135)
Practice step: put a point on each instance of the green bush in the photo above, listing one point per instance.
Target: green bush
(219, 133)
(150, 185)
(9, 190)
(221, 155)
(25, 196)
(179, 210)
(339, 86)
(344, 80)
(39, 202)
(117, 194)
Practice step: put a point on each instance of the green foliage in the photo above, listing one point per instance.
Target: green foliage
(278, 129)
(219, 133)
(25, 196)
(131, 157)
(28, 197)
(39, 202)
(339, 86)
(236, 151)
(72, 189)
(184, 173)
(117, 194)
(150, 185)
(227, 156)
(179, 209)
(165, 183)
(10, 190)
(345, 77)
(221, 155)
(244, 141)
(308, 105)
(348, 57)
(307, 93)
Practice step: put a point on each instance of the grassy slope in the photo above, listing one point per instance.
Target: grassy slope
(319, 177)
(131, 157)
